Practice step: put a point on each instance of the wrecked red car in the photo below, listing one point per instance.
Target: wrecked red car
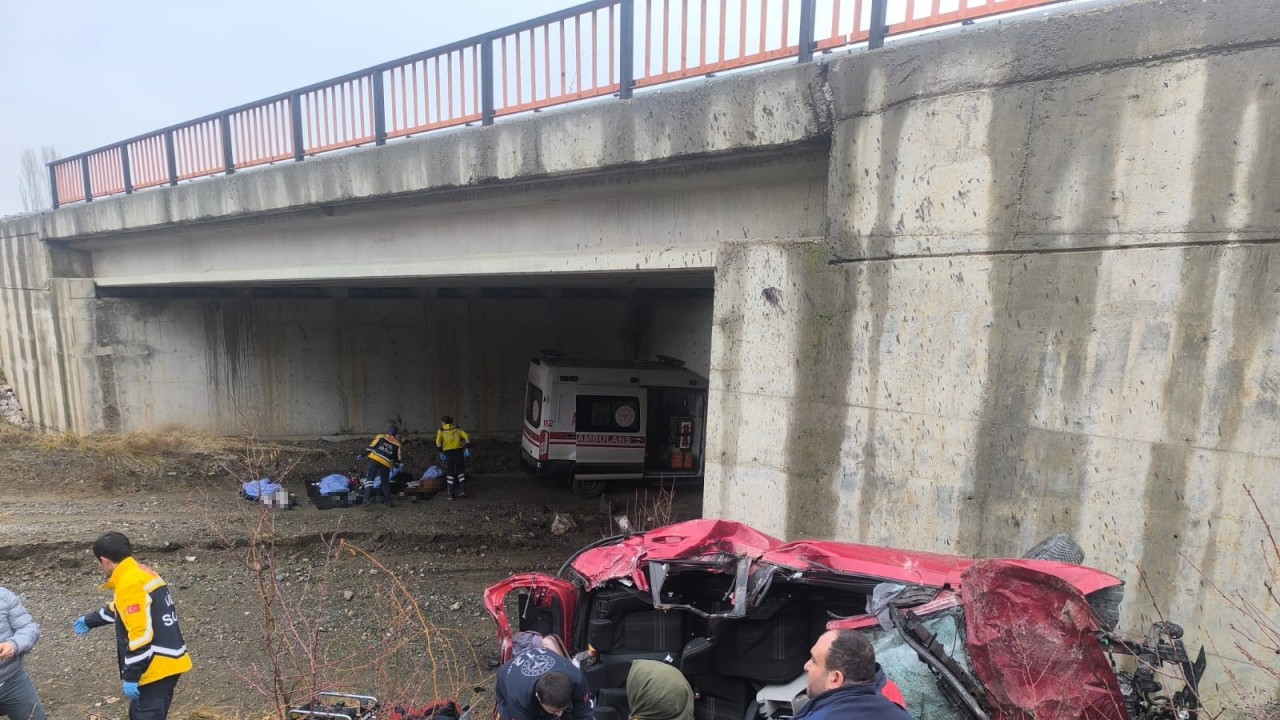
(737, 612)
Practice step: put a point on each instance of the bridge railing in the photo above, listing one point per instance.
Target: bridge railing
(599, 48)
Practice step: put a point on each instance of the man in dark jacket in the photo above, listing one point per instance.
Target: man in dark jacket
(539, 684)
(845, 681)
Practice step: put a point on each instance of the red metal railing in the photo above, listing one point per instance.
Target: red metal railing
(569, 58)
(339, 115)
(436, 91)
(683, 39)
(149, 161)
(262, 134)
(602, 47)
(198, 149)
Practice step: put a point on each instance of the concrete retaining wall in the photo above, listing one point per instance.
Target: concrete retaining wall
(46, 338)
(1049, 300)
(349, 365)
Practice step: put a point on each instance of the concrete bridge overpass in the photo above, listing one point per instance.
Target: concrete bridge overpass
(957, 294)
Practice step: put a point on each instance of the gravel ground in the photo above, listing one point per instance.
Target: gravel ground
(397, 613)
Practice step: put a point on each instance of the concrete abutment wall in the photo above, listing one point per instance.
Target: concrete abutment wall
(1048, 300)
(318, 366)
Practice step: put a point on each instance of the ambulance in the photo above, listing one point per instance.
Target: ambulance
(591, 421)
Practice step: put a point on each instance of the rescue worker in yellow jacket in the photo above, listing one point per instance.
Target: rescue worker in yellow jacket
(384, 454)
(149, 645)
(455, 448)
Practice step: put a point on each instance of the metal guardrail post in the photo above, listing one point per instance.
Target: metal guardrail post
(486, 81)
(295, 117)
(626, 49)
(228, 157)
(124, 167)
(84, 172)
(53, 184)
(379, 109)
(171, 158)
(879, 15)
(808, 8)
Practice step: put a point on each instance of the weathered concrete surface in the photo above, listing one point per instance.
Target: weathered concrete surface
(46, 332)
(1048, 299)
(650, 220)
(317, 366)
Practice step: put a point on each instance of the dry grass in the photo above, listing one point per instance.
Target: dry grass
(137, 447)
(139, 451)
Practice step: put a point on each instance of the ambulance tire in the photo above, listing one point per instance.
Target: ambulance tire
(587, 488)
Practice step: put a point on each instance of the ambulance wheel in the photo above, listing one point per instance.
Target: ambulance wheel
(588, 488)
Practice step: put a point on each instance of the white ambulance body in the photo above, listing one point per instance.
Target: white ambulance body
(591, 421)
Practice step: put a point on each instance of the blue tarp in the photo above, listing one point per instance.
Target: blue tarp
(255, 488)
(330, 484)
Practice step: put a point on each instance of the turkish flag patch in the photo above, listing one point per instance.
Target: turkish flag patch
(133, 609)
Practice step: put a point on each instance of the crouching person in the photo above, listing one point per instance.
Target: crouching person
(18, 634)
(539, 684)
(844, 681)
(149, 645)
(657, 691)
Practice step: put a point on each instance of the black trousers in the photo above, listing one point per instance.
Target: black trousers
(154, 699)
(378, 470)
(455, 470)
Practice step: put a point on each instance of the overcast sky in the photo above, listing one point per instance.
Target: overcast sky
(78, 74)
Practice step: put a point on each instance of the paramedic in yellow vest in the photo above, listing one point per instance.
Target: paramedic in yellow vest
(455, 448)
(384, 454)
(149, 645)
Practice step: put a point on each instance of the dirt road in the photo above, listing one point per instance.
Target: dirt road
(186, 522)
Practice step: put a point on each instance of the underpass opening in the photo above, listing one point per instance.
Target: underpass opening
(309, 361)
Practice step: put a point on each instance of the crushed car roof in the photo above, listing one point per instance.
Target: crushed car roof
(708, 540)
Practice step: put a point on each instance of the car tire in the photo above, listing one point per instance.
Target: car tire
(587, 488)
(1059, 547)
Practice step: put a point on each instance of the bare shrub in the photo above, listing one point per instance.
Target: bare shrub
(1254, 628)
(372, 639)
(646, 511)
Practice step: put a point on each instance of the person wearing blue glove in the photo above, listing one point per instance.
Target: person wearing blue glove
(455, 448)
(149, 646)
(18, 634)
(384, 454)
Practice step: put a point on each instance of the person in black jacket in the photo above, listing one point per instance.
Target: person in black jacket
(844, 681)
(383, 453)
(539, 684)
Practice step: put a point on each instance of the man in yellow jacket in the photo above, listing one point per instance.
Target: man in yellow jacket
(455, 448)
(149, 645)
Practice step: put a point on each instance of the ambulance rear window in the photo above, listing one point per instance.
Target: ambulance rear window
(533, 405)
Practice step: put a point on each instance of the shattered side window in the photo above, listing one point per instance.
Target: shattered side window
(919, 686)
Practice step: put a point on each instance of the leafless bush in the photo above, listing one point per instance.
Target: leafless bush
(647, 510)
(372, 640)
(1254, 629)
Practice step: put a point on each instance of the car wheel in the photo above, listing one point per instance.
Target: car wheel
(1059, 547)
(588, 488)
